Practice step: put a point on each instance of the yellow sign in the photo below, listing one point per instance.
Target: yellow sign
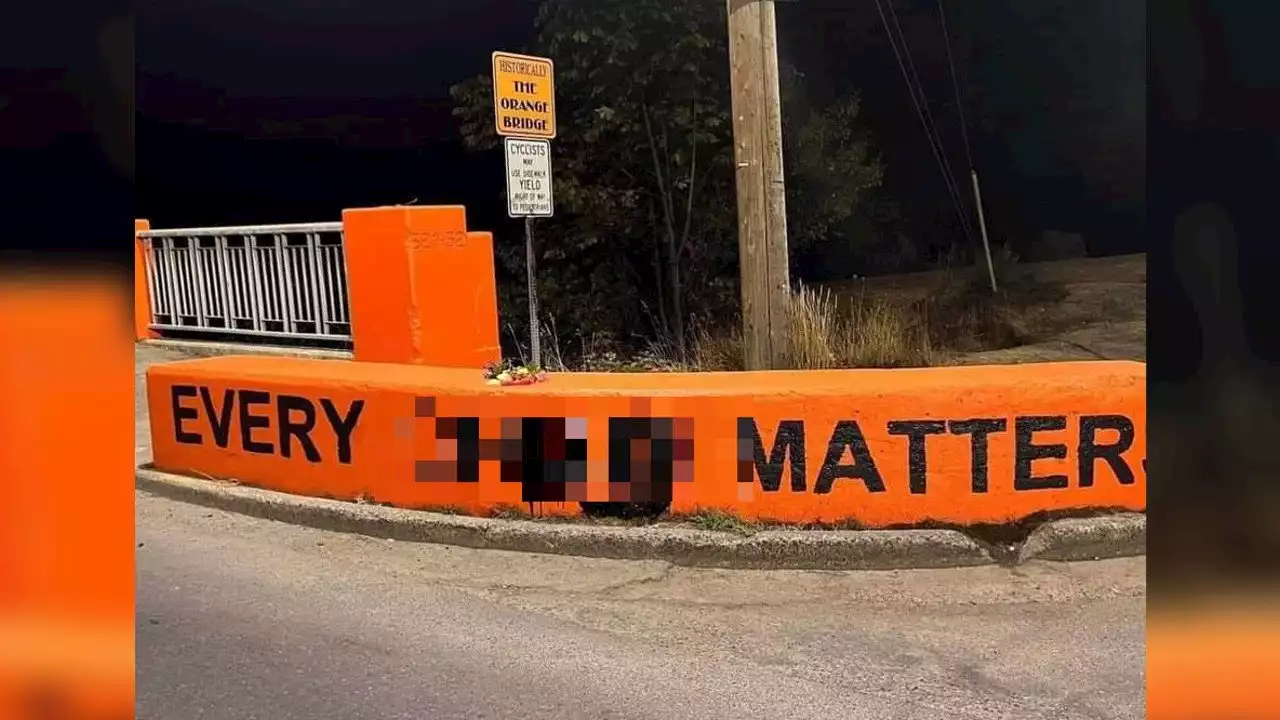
(524, 96)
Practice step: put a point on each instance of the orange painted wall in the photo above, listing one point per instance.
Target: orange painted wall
(394, 454)
(422, 287)
(141, 298)
(477, 325)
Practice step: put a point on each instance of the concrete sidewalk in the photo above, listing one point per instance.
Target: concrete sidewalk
(144, 354)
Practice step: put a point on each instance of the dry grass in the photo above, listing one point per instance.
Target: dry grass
(1044, 312)
(1083, 309)
(858, 329)
(712, 350)
(861, 332)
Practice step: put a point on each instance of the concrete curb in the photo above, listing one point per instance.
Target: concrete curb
(1097, 538)
(769, 549)
(205, 348)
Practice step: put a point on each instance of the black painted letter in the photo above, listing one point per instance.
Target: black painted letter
(789, 441)
(343, 426)
(1025, 452)
(468, 454)
(917, 431)
(219, 420)
(847, 434)
(249, 421)
(182, 414)
(1091, 451)
(978, 430)
(286, 404)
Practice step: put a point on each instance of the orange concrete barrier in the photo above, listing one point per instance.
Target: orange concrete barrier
(873, 447)
(422, 287)
(141, 297)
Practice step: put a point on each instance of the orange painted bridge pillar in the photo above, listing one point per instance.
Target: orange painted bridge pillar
(141, 295)
(422, 288)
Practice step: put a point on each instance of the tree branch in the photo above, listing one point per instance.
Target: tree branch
(673, 260)
(653, 149)
(693, 171)
(659, 284)
(664, 186)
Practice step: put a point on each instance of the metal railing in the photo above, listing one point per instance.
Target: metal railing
(261, 280)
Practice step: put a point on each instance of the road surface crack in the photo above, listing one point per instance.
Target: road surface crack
(659, 577)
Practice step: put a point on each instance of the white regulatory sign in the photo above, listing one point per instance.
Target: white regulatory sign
(528, 178)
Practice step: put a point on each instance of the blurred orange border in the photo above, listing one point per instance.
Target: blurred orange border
(1214, 661)
(66, 462)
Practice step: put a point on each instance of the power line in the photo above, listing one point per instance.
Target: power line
(934, 143)
(955, 85)
(964, 134)
(928, 113)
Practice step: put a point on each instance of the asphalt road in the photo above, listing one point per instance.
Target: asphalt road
(241, 618)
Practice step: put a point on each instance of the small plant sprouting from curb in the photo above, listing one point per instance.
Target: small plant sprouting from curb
(717, 521)
(507, 372)
(510, 512)
(445, 509)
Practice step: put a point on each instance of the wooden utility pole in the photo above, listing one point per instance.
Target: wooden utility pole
(762, 205)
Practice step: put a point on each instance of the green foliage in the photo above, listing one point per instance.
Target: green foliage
(473, 106)
(645, 234)
(832, 168)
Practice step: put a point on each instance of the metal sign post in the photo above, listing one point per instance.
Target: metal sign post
(524, 113)
(529, 195)
(535, 328)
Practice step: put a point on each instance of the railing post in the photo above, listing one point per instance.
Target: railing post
(141, 286)
(421, 288)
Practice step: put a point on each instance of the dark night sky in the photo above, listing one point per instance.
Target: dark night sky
(290, 110)
(338, 48)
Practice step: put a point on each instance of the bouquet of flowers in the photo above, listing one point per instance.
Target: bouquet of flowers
(506, 372)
